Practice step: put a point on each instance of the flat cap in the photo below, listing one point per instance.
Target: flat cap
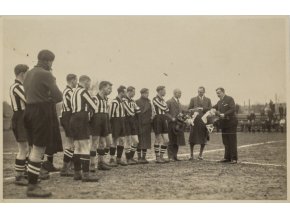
(144, 90)
(45, 55)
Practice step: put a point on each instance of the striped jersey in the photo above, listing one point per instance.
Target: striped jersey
(66, 99)
(117, 108)
(17, 96)
(160, 105)
(101, 103)
(130, 106)
(82, 101)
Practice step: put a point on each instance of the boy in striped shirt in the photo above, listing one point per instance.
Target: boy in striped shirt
(117, 119)
(64, 120)
(131, 112)
(81, 102)
(160, 124)
(100, 127)
(18, 106)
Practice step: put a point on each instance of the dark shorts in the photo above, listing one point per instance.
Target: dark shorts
(64, 121)
(42, 126)
(79, 126)
(100, 125)
(131, 126)
(118, 127)
(109, 125)
(18, 126)
(160, 124)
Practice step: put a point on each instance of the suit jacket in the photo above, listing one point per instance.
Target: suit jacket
(227, 107)
(174, 109)
(205, 103)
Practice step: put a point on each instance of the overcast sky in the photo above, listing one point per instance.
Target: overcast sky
(245, 55)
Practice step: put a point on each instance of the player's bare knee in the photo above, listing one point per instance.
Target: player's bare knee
(135, 139)
(36, 153)
(23, 150)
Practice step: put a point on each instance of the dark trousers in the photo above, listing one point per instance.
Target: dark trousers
(172, 150)
(229, 136)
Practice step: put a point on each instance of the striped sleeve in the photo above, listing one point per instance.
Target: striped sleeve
(89, 100)
(68, 95)
(96, 100)
(113, 108)
(127, 108)
(162, 106)
(18, 91)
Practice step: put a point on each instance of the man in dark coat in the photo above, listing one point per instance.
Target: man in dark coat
(145, 125)
(41, 94)
(200, 104)
(175, 138)
(228, 122)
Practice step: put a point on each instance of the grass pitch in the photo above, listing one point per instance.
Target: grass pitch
(260, 175)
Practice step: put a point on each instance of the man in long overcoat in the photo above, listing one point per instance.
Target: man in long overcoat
(176, 138)
(145, 125)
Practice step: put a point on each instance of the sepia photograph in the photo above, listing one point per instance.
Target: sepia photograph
(144, 108)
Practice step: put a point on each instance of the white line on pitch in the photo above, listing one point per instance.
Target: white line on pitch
(209, 151)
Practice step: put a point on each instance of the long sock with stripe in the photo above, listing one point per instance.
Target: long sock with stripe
(101, 154)
(120, 150)
(85, 160)
(93, 155)
(156, 150)
(112, 152)
(68, 154)
(77, 162)
(144, 152)
(133, 150)
(163, 149)
(33, 171)
(106, 150)
(139, 153)
(20, 166)
(49, 158)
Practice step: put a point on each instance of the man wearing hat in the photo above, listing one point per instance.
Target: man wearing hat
(41, 94)
(176, 138)
(18, 102)
(145, 127)
(160, 124)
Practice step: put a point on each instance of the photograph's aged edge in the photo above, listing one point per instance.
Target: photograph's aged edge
(287, 101)
(1, 105)
(287, 23)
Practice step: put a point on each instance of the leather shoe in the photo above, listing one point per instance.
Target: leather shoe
(234, 162)
(224, 161)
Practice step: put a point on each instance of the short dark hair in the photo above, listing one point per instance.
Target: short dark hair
(45, 55)
(71, 77)
(220, 88)
(104, 84)
(144, 90)
(159, 88)
(20, 68)
(130, 88)
(84, 78)
(201, 87)
(121, 89)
